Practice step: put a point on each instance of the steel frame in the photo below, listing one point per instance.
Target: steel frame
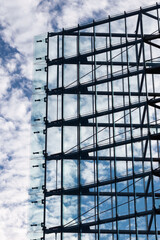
(119, 203)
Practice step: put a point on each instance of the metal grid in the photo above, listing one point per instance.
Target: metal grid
(98, 130)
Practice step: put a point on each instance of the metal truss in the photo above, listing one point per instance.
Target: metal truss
(95, 165)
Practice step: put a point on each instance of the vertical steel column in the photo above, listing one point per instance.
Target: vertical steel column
(94, 120)
(79, 137)
(96, 130)
(148, 126)
(149, 140)
(57, 104)
(62, 133)
(46, 140)
(108, 43)
(125, 129)
(113, 134)
(110, 128)
(131, 131)
(141, 118)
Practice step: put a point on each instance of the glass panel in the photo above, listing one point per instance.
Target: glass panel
(40, 48)
(39, 76)
(70, 174)
(70, 209)
(103, 131)
(37, 161)
(53, 211)
(38, 142)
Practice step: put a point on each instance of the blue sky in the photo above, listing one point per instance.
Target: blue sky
(20, 21)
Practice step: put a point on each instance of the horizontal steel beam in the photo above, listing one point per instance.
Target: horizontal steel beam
(84, 118)
(85, 61)
(109, 194)
(107, 20)
(117, 125)
(82, 57)
(102, 34)
(106, 79)
(60, 156)
(86, 151)
(85, 188)
(86, 226)
(85, 91)
(104, 231)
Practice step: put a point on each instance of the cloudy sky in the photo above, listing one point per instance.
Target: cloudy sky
(20, 21)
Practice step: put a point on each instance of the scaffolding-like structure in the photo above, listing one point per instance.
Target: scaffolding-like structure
(95, 171)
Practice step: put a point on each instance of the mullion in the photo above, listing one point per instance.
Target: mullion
(141, 129)
(94, 122)
(93, 47)
(78, 138)
(96, 131)
(149, 140)
(126, 150)
(57, 104)
(46, 140)
(110, 125)
(113, 133)
(131, 131)
(62, 135)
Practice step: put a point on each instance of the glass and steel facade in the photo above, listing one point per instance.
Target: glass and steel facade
(95, 153)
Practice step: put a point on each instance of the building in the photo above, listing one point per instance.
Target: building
(95, 170)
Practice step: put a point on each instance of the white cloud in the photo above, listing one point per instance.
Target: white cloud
(14, 129)
(20, 22)
(5, 80)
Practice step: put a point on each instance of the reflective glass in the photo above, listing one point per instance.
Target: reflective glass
(37, 162)
(40, 48)
(102, 138)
